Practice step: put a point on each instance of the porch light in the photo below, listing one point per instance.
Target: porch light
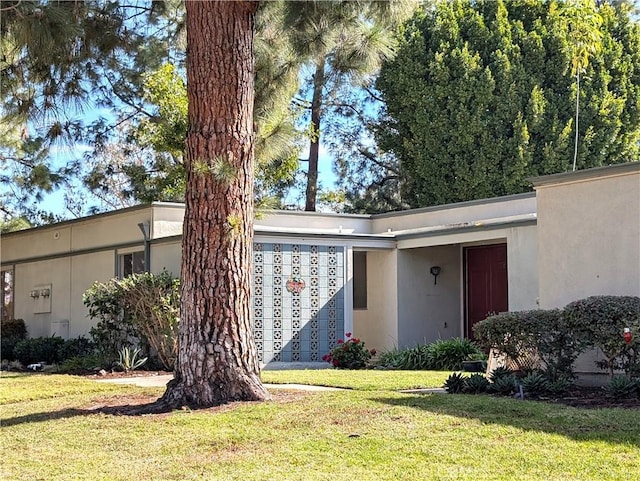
(35, 294)
(45, 292)
(435, 272)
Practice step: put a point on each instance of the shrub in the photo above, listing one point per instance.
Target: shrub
(500, 372)
(455, 383)
(78, 347)
(7, 347)
(390, 359)
(412, 359)
(82, 364)
(506, 333)
(141, 309)
(504, 386)
(621, 387)
(448, 354)
(535, 383)
(599, 322)
(441, 355)
(13, 328)
(349, 354)
(12, 331)
(544, 339)
(37, 349)
(476, 384)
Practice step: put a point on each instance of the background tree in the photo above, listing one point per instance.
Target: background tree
(582, 23)
(343, 42)
(476, 99)
(60, 60)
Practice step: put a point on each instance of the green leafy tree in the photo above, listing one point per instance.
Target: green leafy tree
(475, 101)
(58, 61)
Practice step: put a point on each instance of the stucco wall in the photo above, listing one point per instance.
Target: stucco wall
(377, 325)
(589, 238)
(428, 311)
(522, 268)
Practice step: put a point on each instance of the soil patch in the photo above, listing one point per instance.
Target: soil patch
(592, 398)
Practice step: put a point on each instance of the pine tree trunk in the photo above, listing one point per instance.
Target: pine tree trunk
(314, 147)
(217, 360)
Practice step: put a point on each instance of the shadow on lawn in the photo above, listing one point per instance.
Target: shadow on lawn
(123, 410)
(620, 426)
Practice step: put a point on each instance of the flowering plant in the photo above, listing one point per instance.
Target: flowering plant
(349, 354)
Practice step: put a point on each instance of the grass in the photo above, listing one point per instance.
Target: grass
(50, 431)
(365, 380)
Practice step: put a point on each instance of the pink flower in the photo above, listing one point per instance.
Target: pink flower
(355, 340)
(340, 341)
(335, 363)
(373, 352)
(348, 334)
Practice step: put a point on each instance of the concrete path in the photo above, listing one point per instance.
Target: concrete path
(162, 380)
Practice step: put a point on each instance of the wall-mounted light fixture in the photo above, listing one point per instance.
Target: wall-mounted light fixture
(34, 294)
(45, 292)
(435, 272)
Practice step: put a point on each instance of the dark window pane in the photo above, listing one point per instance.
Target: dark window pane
(359, 280)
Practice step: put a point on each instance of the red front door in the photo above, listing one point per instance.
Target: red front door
(486, 283)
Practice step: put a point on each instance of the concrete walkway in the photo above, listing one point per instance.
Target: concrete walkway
(162, 380)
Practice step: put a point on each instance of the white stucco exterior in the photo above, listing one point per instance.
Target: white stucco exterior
(578, 235)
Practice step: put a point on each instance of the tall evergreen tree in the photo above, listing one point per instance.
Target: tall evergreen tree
(343, 42)
(217, 360)
(477, 99)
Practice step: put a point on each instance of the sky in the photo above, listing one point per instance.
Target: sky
(54, 202)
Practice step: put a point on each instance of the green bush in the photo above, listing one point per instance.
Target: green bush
(12, 331)
(141, 309)
(349, 354)
(78, 347)
(599, 321)
(82, 364)
(13, 328)
(505, 386)
(441, 355)
(476, 384)
(535, 384)
(544, 339)
(7, 347)
(621, 387)
(410, 359)
(455, 383)
(448, 354)
(38, 349)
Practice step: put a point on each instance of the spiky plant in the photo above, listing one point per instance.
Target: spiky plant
(455, 383)
(476, 384)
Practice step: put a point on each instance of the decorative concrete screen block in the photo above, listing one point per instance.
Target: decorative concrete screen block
(298, 300)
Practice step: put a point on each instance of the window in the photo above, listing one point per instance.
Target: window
(6, 288)
(359, 280)
(131, 263)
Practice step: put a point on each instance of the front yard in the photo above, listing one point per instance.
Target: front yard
(54, 427)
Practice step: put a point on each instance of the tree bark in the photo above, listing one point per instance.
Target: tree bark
(314, 147)
(217, 360)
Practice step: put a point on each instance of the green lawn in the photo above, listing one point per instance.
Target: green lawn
(51, 430)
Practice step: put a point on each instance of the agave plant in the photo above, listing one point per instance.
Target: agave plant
(129, 360)
(476, 384)
(455, 383)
